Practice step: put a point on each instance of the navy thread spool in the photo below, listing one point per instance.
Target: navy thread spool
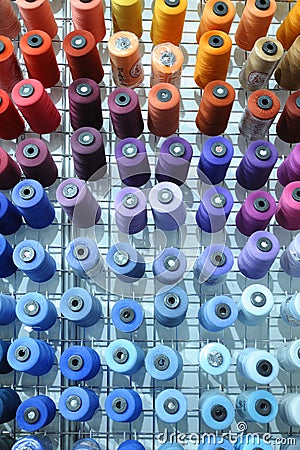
(78, 404)
(88, 154)
(214, 358)
(170, 307)
(218, 443)
(256, 165)
(214, 209)
(125, 357)
(31, 356)
(31, 257)
(257, 406)
(288, 356)
(123, 405)
(170, 265)
(132, 162)
(163, 363)
(290, 258)
(85, 104)
(126, 262)
(213, 265)
(258, 255)
(130, 444)
(290, 310)
(9, 403)
(4, 366)
(32, 202)
(216, 409)
(36, 311)
(288, 409)
(84, 258)
(7, 267)
(255, 304)
(35, 413)
(10, 218)
(171, 406)
(168, 209)
(79, 306)
(6, 443)
(7, 309)
(131, 210)
(218, 313)
(80, 363)
(174, 160)
(86, 444)
(127, 315)
(125, 113)
(217, 153)
(259, 366)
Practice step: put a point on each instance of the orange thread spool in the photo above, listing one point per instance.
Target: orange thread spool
(39, 57)
(168, 21)
(38, 15)
(9, 23)
(215, 108)
(212, 58)
(11, 123)
(287, 126)
(10, 71)
(289, 29)
(217, 15)
(83, 56)
(163, 109)
(166, 64)
(255, 21)
(89, 15)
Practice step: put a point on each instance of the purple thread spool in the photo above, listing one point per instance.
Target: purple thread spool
(131, 210)
(88, 153)
(85, 104)
(168, 209)
(78, 203)
(255, 213)
(214, 209)
(290, 258)
(212, 266)
(170, 266)
(217, 153)
(132, 162)
(257, 164)
(289, 169)
(258, 255)
(125, 113)
(174, 160)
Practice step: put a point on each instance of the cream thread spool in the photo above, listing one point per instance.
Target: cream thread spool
(287, 73)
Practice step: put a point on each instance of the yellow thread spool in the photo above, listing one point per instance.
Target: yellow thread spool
(289, 29)
(127, 16)
(166, 64)
(287, 73)
(168, 21)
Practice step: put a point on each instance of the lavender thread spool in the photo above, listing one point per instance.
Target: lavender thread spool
(168, 209)
(290, 258)
(132, 161)
(170, 265)
(125, 113)
(214, 209)
(85, 104)
(289, 169)
(131, 210)
(215, 159)
(212, 266)
(83, 256)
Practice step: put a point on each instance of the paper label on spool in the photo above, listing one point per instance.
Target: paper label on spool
(136, 69)
(257, 79)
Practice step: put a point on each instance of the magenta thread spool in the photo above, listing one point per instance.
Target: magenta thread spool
(131, 210)
(213, 265)
(288, 209)
(255, 213)
(78, 203)
(88, 153)
(258, 255)
(289, 169)
(290, 258)
(168, 209)
(36, 161)
(214, 209)
(85, 104)
(257, 164)
(132, 161)
(125, 113)
(174, 160)
(170, 265)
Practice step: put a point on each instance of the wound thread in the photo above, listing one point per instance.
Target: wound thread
(10, 173)
(11, 123)
(289, 170)
(132, 162)
(287, 73)
(125, 113)
(85, 104)
(288, 209)
(168, 21)
(127, 16)
(10, 70)
(289, 29)
(287, 126)
(89, 16)
(9, 23)
(163, 109)
(216, 15)
(38, 15)
(166, 64)
(255, 213)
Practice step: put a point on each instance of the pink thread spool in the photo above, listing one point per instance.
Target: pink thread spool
(288, 210)
(255, 213)
(289, 169)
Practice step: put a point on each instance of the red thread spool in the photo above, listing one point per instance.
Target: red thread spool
(10, 71)
(10, 172)
(36, 106)
(288, 128)
(11, 123)
(83, 56)
(163, 109)
(288, 210)
(89, 15)
(9, 23)
(38, 15)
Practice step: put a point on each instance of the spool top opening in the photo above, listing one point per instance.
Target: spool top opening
(218, 413)
(264, 368)
(75, 303)
(127, 315)
(216, 41)
(2, 47)
(35, 41)
(218, 259)
(31, 308)
(122, 43)
(31, 151)
(161, 362)
(122, 99)
(297, 102)
(172, 3)
(218, 200)
(177, 149)
(264, 244)
(296, 194)
(220, 91)
(220, 9)
(22, 353)
(263, 5)
(26, 90)
(75, 362)
(27, 192)
(86, 138)
(171, 405)
(130, 201)
(223, 311)
(165, 196)
(84, 89)
(119, 405)
(261, 204)
(78, 42)
(171, 300)
(70, 191)
(164, 95)
(167, 59)
(27, 254)
(269, 48)
(218, 149)
(263, 407)
(121, 258)
(31, 415)
(129, 150)
(81, 252)
(120, 355)
(171, 263)
(265, 102)
(215, 358)
(258, 299)
(263, 153)
(73, 403)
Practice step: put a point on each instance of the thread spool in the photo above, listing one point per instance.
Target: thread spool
(288, 209)
(78, 203)
(4, 366)
(36, 161)
(289, 169)
(38, 15)
(80, 363)
(254, 23)
(80, 307)
(215, 158)
(212, 266)
(257, 406)
(130, 444)
(9, 23)
(218, 313)
(214, 209)
(126, 262)
(290, 311)
(166, 64)
(287, 72)
(288, 356)
(89, 16)
(216, 409)
(8, 266)
(127, 315)
(7, 309)
(170, 307)
(170, 446)
(257, 443)
(10, 72)
(212, 57)
(123, 405)
(132, 162)
(35, 412)
(36, 311)
(214, 358)
(255, 304)
(32, 259)
(256, 165)
(41, 442)
(11, 123)
(9, 402)
(170, 266)
(125, 113)
(206, 443)
(84, 258)
(290, 258)
(168, 209)
(255, 213)
(168, 21)
(10, 218)
(88, 154)
(10, 172)
(85, 104)
(288, 31)
(163, 109)
(163, 363)
(127, 16)
(83, 56)
(287, 124)
(36, 106)
(171, 406)
(288, 407)
(6, 443)
(131, 210)
(258, 366)
(86, 444)
(78, 404)
(125, 357)
(216, 15)
(125, 59)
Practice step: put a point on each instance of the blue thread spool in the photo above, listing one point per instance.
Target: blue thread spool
(212, 266)
(79, 306)
(86, 444)
(252, 443)
(170, 265)
(163, 363)
(214, 209)
(170, 307)
(255, 304)
(80, 363)
(130, 444)
(37, 442)
(79, 404)
(36, 311)
(7, 267)
(31, 356)
(126, 262)
(290, 310)
(7, 309)
(216, 410)
(215, 158)
(257, 406)
(31, 257)
(32, 202)
(258, 366)
(4, 366)
(218, 313)
(9, 403)
(214, 358)
(289, 409)
(171, 406)
(84, 258)
(10, 218)
(288, 356)
(123, 405)
(35, 413)
(215, 443)
(170, 446)
(124, 357)
(127, 315)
